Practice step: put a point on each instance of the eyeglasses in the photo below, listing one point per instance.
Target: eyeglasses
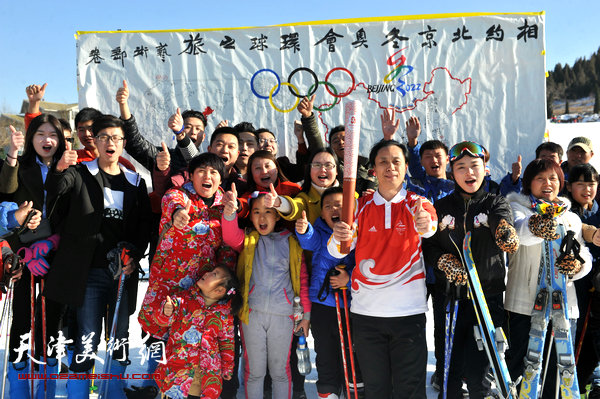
(103, 138)
(70, 139)
(471, 148)
(319, 165)
(267, 141)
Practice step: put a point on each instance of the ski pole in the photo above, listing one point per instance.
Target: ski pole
(9, 300)
(123, 259)
(350, 348)
(32, 332)
(339, 320)
(44, 342)
(583, 330)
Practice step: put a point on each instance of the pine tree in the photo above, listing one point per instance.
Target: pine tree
(567, 107)
(597, 100)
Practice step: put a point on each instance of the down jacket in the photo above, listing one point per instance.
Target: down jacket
(523, 265)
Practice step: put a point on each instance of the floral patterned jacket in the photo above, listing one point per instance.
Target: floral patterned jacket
(183, 255)
(200, 340)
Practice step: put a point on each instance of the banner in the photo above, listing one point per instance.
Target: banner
(479, 77)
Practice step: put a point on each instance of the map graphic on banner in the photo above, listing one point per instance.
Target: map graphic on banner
(474, 76)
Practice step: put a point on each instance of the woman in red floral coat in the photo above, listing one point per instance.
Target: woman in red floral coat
(190, 243)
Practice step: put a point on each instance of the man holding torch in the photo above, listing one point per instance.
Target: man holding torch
(388, 283)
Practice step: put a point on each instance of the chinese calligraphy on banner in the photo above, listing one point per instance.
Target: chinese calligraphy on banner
(475, 76)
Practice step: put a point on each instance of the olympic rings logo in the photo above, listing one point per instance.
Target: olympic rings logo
(329, 87)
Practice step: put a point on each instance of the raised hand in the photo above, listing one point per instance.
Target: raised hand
(123, 93)
(306, 106)
(389, 124)
(413, 130)
(69, 158)
(272, 199)
(230, 201)
(422, 217)
(517, 167)
(181, 217)
(168, 307)
(299, 131)
(176, 121)
(163, 158)
(223, 123)
(35, 93)
(302, 224)
(17, 141)
(122, 97)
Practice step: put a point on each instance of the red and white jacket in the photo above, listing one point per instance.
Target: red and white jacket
(389, 277)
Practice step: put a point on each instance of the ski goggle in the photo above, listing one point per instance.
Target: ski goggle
(466, 148)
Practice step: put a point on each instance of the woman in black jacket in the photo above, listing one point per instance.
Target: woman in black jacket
(108, 205)
(22, 179)
(489, 219)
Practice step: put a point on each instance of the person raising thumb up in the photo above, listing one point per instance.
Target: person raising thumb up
(302, 224)
(422, 217)
(69, 158)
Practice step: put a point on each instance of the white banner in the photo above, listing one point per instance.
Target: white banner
(479, 77)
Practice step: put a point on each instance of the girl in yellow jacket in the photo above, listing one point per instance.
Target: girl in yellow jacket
(272, 272)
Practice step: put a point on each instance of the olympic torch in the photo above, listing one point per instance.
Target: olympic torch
(352, 111)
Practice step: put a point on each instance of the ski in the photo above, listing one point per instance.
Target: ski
(550, 304)
(451, 315)
(489, 338)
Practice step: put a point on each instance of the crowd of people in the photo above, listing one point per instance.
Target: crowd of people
(237, 233)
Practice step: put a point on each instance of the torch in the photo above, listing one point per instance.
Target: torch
(352, 111)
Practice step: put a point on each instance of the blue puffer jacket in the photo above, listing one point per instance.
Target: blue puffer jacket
(315, 240)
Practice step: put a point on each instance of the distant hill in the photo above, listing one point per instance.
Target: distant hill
(566, 84)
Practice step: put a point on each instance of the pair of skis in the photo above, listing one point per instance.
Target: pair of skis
(488, 337)
(550, 304)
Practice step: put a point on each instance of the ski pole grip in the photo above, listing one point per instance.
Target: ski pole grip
(338, 272)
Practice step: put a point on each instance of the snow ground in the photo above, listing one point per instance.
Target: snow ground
(136, 345)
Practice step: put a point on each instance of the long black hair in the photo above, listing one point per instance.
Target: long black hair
(29, 153)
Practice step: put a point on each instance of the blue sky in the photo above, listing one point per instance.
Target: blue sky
(38, 45)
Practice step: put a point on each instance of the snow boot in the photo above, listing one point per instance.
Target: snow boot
(79, 388)
(147, 388)
(19, 388)
(116, 385)
(50, 391)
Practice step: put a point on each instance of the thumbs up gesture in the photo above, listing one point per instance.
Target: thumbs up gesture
(123, 93)
(272, 199)
(17, 140)
(230, 201)
(176, 121)
(181, 217)
(516, 169)
(35, 93)
(163, 158)
(306, 106)
(168, 307)
(302, 224)
(69, 158)
(422, 217)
